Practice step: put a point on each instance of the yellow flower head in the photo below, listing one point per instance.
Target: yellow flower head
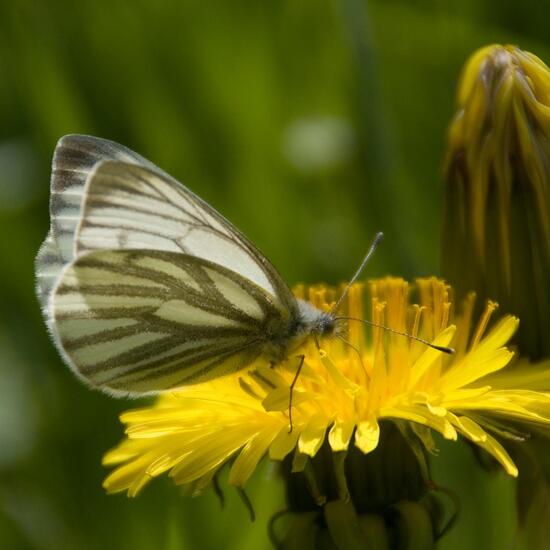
(344, 390)
(497, 219)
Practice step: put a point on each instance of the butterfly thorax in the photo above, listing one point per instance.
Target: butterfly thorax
(308, 322)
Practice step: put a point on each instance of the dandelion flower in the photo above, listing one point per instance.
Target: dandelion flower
(344, 391)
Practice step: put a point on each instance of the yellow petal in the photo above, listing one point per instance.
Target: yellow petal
(471, 368)
(471, 429)
(283, 443)
(430, 355)
(499, 335)
(209, 454)
(523, 375)
(367, 435)
(337, 376)
(312, 436)
(493, 447)
(422, 416)
(249, 457)
(340, 434)
(125, 476)
(279, 398)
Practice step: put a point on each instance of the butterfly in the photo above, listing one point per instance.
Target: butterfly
(145, 287)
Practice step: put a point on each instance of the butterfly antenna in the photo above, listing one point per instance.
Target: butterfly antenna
(444, 349)
(360, 269)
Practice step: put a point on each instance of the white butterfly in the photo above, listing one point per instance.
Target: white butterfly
(145, 287)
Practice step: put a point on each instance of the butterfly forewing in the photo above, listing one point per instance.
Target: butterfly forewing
(49, 264)
(147, 320)
(74, 158)
(129, 206)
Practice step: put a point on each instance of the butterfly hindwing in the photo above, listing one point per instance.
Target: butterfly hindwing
(145, 320)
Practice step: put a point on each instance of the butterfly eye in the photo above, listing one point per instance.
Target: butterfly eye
(327, 325)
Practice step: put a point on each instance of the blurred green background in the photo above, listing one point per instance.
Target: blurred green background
(310, 124)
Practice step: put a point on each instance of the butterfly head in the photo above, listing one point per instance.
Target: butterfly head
(316, 322)
(325, 325)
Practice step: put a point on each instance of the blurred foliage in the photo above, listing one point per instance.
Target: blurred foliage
(309, 124)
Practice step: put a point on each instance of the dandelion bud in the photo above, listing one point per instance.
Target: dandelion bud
(496, 237)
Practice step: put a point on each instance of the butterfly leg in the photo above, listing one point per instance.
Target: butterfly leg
(295, 379)
(317, 343)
